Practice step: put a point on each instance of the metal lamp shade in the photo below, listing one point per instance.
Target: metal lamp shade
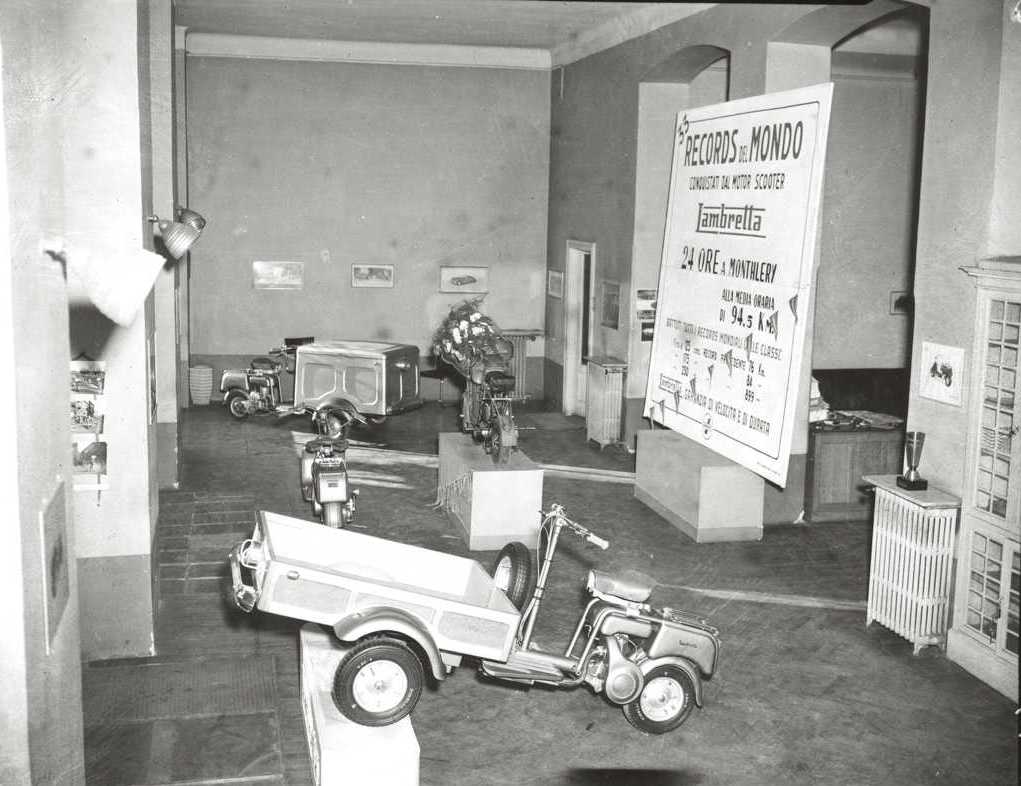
(191, 218)
(177, 237)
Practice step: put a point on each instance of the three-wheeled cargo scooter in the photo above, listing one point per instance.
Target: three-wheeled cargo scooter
(371, 378)
(406, 611)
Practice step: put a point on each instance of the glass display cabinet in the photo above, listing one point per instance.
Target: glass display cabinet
(984, 634)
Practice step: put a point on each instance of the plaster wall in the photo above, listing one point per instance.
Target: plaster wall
(1004, 228)
(331, 164)
(594, 150)
(161, 115)
(108, 173)
(868, 223)
(962, 123)
(40, 688)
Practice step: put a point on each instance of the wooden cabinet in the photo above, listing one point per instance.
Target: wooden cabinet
(837, 459)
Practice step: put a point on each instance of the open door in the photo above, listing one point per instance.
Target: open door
(578, 321)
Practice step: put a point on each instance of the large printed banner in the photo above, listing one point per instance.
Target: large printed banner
(737, 266)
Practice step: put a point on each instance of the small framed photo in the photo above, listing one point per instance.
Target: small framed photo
(473, 280)
(278, 275)
(942, 373)
(555, 283)
(372, 275)
(609, 311)
(88, 377)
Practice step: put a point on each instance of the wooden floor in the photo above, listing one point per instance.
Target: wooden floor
(805, 694)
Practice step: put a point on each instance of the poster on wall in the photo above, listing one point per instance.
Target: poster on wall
(56, 582)
(737, 264)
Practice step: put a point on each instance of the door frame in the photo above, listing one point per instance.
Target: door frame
(574, 289)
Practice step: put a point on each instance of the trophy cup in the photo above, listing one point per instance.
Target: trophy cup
(911, 480)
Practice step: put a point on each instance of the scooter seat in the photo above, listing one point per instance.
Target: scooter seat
(630, 585)
(264, 364)
(500, 382)
(338, 444)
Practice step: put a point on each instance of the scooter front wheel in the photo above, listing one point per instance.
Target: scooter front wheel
(666, 700)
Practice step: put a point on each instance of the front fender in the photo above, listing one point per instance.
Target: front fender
(683, 664)
(383, 619)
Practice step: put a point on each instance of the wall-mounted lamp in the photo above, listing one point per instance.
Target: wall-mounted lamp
(178, 236)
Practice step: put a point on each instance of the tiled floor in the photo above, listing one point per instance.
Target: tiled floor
(804, 693)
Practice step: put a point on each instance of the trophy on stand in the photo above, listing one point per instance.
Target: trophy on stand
(911, 480)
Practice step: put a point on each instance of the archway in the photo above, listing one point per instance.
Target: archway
(694, 76)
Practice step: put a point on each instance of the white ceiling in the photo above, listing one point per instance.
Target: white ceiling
(566, 30)
(541, 24)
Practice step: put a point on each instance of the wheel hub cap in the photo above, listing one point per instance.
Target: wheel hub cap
(380, 686)
(662, 698)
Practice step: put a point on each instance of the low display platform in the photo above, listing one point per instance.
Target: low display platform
(493, 503)
(706, 496)
(342, 751)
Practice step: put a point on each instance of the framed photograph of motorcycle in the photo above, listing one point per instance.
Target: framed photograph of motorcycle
(473, 280)
(941, 377)
(372, 275)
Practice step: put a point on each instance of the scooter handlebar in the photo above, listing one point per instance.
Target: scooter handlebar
(590, 536)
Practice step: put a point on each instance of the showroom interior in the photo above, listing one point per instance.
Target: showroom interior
(388, 154)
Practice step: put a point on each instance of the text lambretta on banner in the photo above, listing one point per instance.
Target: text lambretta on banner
(737, 264)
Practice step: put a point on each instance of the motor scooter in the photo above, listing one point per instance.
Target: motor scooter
(650, 661)
(256, 390)
(324, 480)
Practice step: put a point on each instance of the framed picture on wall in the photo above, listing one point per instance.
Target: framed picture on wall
(555, 283)
(278, 275)
(609, 311)
(942, 373)
(364, 275)
(473, 280)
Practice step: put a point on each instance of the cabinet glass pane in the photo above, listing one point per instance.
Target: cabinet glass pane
(1012, 604)
(995, 473)
(984, 594)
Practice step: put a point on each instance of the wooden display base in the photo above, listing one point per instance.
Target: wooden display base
(706, 496)
(493, 503)
(343, 752)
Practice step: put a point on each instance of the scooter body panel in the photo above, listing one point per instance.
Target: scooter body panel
(689, 639)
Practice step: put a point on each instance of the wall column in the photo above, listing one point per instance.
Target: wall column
(107, 199)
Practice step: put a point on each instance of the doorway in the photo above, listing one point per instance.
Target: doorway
(578, 321)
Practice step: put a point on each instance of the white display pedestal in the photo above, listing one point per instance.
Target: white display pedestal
(493, 503)
(706, 496)
(343, 752)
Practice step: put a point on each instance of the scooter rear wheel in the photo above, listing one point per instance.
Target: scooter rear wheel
(332, 515)
(378, 682)
(665, 702)
(513, 573)
(237, 405)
